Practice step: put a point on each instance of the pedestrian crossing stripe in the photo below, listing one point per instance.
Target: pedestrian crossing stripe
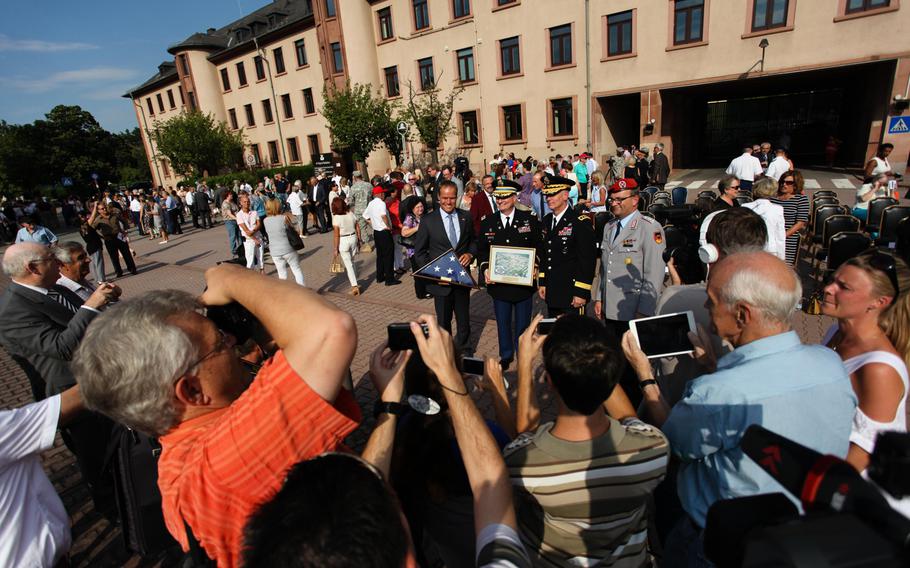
(811, 184)
(695, 184)
(842, 183)
(672, 184)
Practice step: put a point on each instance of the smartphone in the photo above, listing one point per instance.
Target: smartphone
(472, 366)
(401, 338)
(664, 336)
(545, 325)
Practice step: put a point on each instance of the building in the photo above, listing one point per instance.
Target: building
(558, 76)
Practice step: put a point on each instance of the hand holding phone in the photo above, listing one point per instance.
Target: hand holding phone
(545, 325)
(401, 338)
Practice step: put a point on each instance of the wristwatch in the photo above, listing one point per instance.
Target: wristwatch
(382, 407)
(646, 382)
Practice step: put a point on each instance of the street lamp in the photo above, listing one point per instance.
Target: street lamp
(763, 44)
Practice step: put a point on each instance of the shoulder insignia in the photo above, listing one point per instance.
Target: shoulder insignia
(521, 441)
(658, 238)
(584, 217)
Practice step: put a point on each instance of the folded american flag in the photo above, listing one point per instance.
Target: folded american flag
(445, 269)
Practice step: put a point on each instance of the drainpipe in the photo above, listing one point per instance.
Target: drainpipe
(149, 136)
(587, 79)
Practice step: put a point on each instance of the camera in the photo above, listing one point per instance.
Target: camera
(401, 338)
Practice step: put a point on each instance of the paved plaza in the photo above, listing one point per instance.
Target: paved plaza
(182, 263)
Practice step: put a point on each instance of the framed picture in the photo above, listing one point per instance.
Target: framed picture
(512, 265)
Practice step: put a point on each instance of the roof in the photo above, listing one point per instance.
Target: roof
(237, 35)
(167, 73)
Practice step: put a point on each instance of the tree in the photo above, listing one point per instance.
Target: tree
(431, 115)
(359, 120)
(129, 157)
(196, 144)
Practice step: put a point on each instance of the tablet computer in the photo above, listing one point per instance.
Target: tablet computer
(664, 336)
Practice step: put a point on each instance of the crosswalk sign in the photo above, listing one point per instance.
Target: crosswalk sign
(899, 125)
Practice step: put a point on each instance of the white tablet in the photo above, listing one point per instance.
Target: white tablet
(664, 336)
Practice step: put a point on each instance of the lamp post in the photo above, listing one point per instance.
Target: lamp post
(763, 44)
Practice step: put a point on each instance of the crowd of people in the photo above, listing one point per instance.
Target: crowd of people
(254, 470)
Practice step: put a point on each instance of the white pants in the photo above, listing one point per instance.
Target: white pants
(293, 259)
(253, 253)
(347, 248)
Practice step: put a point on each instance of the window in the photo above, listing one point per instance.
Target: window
(563, 123)
(183, 64)
(279, 60)
(148, 103)
(461, 9)
(421, 15)
(561, 45)
(688, 20)
(309, 107)
(273, 152)
(425, 70)
(385, 23)
(619, 33)
(511, 119)
(391, 81)
(225, 80)
(254, 151)
(313, 141)
(337, 63)
(164, 168)
(232, 114)
(241, 74)
(170, 99)
(330, 11)
(250, 119)
(192, 97)
(267, 111)
(854, 6)
(293, 150)
(465, 59)
(511, 62)
(769, 14)
(160, 102)
(286, 106)
(470, 134)
(505, 2)
(300, 50)
(182, 100)
(260, 68)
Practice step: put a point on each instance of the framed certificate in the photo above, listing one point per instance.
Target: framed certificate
(512, 265)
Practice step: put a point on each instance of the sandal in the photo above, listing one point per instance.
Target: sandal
(355, 291)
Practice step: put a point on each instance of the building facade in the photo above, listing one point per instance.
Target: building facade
(546, 77)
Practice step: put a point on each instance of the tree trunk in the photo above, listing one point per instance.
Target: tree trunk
(434, 154)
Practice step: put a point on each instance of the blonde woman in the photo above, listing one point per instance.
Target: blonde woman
(280, 248)
(347, 240)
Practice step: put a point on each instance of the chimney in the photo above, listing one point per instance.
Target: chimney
(210, 31)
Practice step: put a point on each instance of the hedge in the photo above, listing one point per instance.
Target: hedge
(255, 176)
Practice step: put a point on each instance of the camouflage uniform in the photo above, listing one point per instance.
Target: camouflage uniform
(360, 195)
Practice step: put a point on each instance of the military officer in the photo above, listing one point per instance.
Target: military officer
(568, 252)
(358, 198)
(511, 228)
(631, 275)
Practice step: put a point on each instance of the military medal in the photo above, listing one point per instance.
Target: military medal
(658, 238)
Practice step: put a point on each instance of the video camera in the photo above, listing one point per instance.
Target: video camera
(848, 521)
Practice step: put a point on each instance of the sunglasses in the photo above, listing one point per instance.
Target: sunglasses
(789, 182)
(619, 199)
(884, 262)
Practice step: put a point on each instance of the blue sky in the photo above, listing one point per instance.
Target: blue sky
(89, 52)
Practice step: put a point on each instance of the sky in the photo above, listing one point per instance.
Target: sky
(90, 52)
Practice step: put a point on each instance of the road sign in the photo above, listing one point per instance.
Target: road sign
(251, 159)
(402, 127)
(66, 182)
(94, 176)
(323, 163)
(899, 125)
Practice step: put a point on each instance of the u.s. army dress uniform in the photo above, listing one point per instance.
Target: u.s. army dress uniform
(509, 300)
(568, 256)
(631, 275)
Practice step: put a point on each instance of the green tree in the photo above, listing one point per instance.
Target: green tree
(359, 120)
(129, 157)
(76, 145)
(23, 163)
(195, 143)
(431, 114)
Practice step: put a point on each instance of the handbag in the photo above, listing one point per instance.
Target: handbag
(406, 241)
(336, 267)
(293, 237)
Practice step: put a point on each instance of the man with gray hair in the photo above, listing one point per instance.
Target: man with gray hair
(660, 167)
(771, 379)
(227, 440)
(74, 268)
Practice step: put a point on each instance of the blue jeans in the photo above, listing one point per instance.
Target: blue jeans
(685, 546)
(233, 230)
(508, 335)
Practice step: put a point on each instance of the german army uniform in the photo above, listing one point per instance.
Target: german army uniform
(568, 255)
(510, 301)
(360, 195)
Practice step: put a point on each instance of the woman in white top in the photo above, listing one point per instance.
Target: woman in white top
(878, 187)
(598, 195)
(283, 254)
(347, 239)
(250, 225)
(879, 163)
(868, 296)
(772, 214)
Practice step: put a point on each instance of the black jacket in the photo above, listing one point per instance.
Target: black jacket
(431, 241)
(569, 258)
(524, 232)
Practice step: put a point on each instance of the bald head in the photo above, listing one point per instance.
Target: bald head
(18, 257)
(759, 280)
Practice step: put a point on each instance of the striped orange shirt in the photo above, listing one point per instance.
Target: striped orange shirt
(216, 469)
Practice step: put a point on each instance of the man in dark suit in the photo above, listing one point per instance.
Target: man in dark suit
(41, 325)
(431, 186)
(440, 231)
(660, 167)
(511, 228)
(201, 206)
(483, 204)
(318, 197)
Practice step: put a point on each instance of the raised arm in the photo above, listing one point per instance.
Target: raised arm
(527, 411)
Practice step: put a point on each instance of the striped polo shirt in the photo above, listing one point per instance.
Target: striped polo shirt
(585, 503)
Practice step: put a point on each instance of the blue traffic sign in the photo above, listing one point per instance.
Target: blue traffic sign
(94, 176)
(67, 182)
(899, 125)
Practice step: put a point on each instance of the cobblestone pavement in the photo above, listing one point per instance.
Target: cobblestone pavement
(181, 264)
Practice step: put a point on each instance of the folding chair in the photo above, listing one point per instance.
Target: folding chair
(842, 246)
(890, 220)
(831, 226)
(874, 214)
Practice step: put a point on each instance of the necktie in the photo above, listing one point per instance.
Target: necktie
(58, 297)
(618, 229)
(508, 222)
(554, 222)
(450, 230)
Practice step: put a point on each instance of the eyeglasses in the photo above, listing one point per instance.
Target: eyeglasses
(619, 199)
(733, 187)
(789, 182)
(885, 262)
(225, 340)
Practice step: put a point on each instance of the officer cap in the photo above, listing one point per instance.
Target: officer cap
(623, 184)
(506, 188)
(554, 184)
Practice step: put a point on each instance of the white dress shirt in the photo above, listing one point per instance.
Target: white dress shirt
(778, 167)
(745, 167)
(295, 203)
(84, 291)
(374, 214)
(773, 215)
(507, 219)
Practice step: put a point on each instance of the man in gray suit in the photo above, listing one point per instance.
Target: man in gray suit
(41, 324)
